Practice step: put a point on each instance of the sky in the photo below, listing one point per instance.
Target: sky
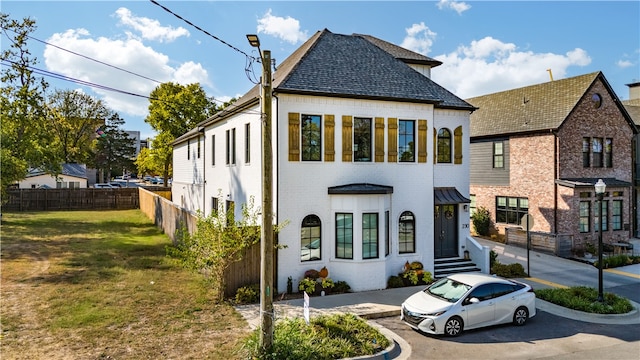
(127, 48)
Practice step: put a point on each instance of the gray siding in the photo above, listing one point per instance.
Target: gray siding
(481, 167)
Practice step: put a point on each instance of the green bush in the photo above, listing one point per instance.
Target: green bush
(341, 287)
(585, 299)
(481, 219)
(618, 260)
(395, 282)
(248, 294)
(308, 285)
(326, 337)
(514, 270)
(493, 258)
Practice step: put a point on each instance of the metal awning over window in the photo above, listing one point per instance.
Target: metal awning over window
(360, 189)
(448, 196)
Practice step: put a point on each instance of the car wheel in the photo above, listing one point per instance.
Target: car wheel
(520, 316)
(453, 327)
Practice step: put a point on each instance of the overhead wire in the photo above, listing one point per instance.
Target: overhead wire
(248, 63)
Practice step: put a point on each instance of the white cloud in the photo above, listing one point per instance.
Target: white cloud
(131, 55)
(456, 6)
(489, 65)
(419, 38)
(287, 29)
(624, 63)
(148, 28)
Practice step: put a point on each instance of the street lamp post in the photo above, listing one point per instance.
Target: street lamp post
(600, 188)
(266, 243)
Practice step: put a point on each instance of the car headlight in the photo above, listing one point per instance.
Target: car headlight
(437, 313)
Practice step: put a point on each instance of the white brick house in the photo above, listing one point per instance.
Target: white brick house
(370, 162)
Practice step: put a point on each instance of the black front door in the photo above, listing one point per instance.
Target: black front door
(446, 232)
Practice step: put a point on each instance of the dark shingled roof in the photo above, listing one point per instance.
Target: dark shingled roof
(352, 66)
(531, 108)
(349, 66)
(401, 53)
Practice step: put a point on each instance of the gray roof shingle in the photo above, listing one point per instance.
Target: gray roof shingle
(350, 66)
(532, 108)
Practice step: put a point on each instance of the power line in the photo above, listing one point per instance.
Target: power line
(204, 31)
(92, 59)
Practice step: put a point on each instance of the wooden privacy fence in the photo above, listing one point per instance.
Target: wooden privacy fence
(557, 244)
(169, 217)
(71, 199)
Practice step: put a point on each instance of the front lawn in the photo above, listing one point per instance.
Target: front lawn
(98, 284)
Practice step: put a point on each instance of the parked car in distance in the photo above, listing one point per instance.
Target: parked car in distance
(104, 186)
(158, 180)
(468, 301)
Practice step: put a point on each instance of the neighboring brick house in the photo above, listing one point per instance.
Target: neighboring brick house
(540, 149)
(352, 119)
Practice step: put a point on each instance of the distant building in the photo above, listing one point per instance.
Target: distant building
(73, 176)
(137, 143)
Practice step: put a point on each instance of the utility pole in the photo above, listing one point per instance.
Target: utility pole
(267, 243)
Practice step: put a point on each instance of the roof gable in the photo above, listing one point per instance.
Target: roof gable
(352, 66)
(534, 108)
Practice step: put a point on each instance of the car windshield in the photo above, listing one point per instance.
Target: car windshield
(448, 289)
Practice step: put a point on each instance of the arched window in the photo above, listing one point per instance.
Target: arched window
(310, 238)
(444, 146)
(407, 233)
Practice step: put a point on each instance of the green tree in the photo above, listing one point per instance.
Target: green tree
(74, 117)
(481, 219)
(147, 163)
(218, 241)
(24, 134)
(175, 109)
(115, 150)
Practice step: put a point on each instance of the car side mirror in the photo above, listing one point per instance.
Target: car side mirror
(473, 300)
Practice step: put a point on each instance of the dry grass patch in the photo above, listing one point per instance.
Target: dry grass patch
(98, 285)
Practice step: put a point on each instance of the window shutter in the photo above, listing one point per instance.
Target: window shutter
(329, 138)
(347, 139)
(379, 135)
(435, 143)
(294, 137)
(457, 145)
(392, 150)
(422, 141)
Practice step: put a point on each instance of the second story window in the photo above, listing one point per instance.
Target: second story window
(498, 155)
(247, 143)
(213, 150)
(608, 152)
(188, 149)
(311, 137)
(362, 139)
(406, 140)
(586, 152)
(231, 147)
(198, 148)
(596, 147)
(444, 146)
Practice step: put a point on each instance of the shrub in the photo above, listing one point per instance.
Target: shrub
(416, 265)
(618, 260)
(308, 285)
(341, 287)
(508, 271)
(481, 219)
(395, 282)
(327, 283)
(248, 294)
(493, 258)
(584, 298)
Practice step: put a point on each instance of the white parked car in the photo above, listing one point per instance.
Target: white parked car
(104, 186)
(468, 301)
(311, 251)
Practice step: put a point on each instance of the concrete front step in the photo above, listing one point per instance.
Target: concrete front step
(445, 267)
